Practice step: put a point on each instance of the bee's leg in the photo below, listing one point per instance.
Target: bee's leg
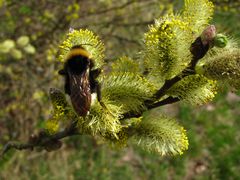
(96, 86)
(62, 72)
(95, 73)
(99, 94)
(67, 85)
(67, 81)
(93, 82)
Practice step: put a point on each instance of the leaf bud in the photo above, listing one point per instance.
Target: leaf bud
(220, 41)
(23, 41)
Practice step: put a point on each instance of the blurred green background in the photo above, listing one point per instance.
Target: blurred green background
(30, 32)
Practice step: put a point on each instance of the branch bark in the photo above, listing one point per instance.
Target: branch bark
(42, 140)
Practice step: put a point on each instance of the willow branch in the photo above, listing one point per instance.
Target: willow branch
(168, 100)
(42, 140)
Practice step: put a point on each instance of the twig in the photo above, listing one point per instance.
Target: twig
(42, 140)
(169, 100)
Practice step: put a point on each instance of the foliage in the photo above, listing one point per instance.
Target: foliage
(101, 120)
(16, 49)
(198, 14)
(127, 89)
(194, 89)
(126, 64)
(87, 40)
(167, 47)
(224, 67)
(161, 134)
(166, 55)
(61, 110)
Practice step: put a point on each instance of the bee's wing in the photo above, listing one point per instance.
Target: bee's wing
(80, 92)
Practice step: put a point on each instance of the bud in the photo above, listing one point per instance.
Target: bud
(38, 95)
(17, 54)
(29, 49)
(208, 35)
(220, 41)
(6, 46)
(23, 41)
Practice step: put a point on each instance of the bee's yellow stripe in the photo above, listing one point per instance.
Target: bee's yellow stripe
(78, 52)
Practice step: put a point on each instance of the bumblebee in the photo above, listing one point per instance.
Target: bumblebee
(80, 79)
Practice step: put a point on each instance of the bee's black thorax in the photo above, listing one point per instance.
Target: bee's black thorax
(77, 64)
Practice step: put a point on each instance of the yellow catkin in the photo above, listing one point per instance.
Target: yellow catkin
(90, 42)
